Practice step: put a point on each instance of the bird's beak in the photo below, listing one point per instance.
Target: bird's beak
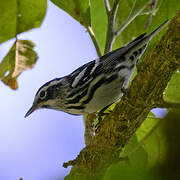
(31, 110)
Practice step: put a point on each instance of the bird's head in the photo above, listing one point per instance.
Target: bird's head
(48, 96)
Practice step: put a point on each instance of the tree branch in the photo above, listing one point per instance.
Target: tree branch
(107, 6)
(111, 32)
(129, 19)
(117, 128)
(152, 4)
(111, 14)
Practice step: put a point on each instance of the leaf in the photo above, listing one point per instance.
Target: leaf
(78, 9)
(99, 21)
(172, 93)
(130, 20)
(144, 151)
(170, 129)
(17, 16)
(20, 57)
(134, 151)
(151, 138)
(147, 126)
(153, 152)
(165, 10)
(147, 140)
(128, 9)
(131, 167)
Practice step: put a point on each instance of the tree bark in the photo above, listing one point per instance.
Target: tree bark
(145, 92)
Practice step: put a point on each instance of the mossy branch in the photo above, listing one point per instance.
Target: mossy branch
(145, 93)
(164, 104)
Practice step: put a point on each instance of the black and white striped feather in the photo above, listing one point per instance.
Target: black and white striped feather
(96, 84)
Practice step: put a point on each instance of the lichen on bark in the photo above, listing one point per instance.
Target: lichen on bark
(145, 92)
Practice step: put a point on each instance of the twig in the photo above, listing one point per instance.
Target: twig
(115, 9)
(111, 25)
(142, 141)
(129, 19)
(107, 6)
(69, 163)
(119, 126)
(96, 44)
(152, 4)
(153, 117)
(111, 32)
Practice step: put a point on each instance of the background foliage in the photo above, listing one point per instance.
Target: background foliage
(22, 16)
(147, 153)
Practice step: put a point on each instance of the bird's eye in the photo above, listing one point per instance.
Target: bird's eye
(42, 94)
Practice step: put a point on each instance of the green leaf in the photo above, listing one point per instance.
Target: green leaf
(78, 9)
(132, 10)
(147, 126)
(20, 57)
(151, 138)
(172, 93)
(99, 21)
(17, 16)
(165, 10)
(133, 167)
(153, 152)
(133, 151)
(141, 156)
(130, 20)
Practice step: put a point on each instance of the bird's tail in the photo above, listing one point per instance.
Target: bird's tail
(143, 39)
(140, 42)
(152, 34)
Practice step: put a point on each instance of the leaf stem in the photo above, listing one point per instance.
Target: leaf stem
(111, 14)
(152, 4)
(96, 44)
(107, 6)
(129, 19)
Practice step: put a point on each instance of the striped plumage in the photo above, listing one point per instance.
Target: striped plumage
(96, 84)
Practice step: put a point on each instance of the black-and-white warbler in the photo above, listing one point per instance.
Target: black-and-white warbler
(94, 85)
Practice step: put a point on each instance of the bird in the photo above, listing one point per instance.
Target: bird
(96, 84)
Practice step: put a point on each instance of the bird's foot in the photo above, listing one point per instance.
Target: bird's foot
(124, 91)
(100, 116)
